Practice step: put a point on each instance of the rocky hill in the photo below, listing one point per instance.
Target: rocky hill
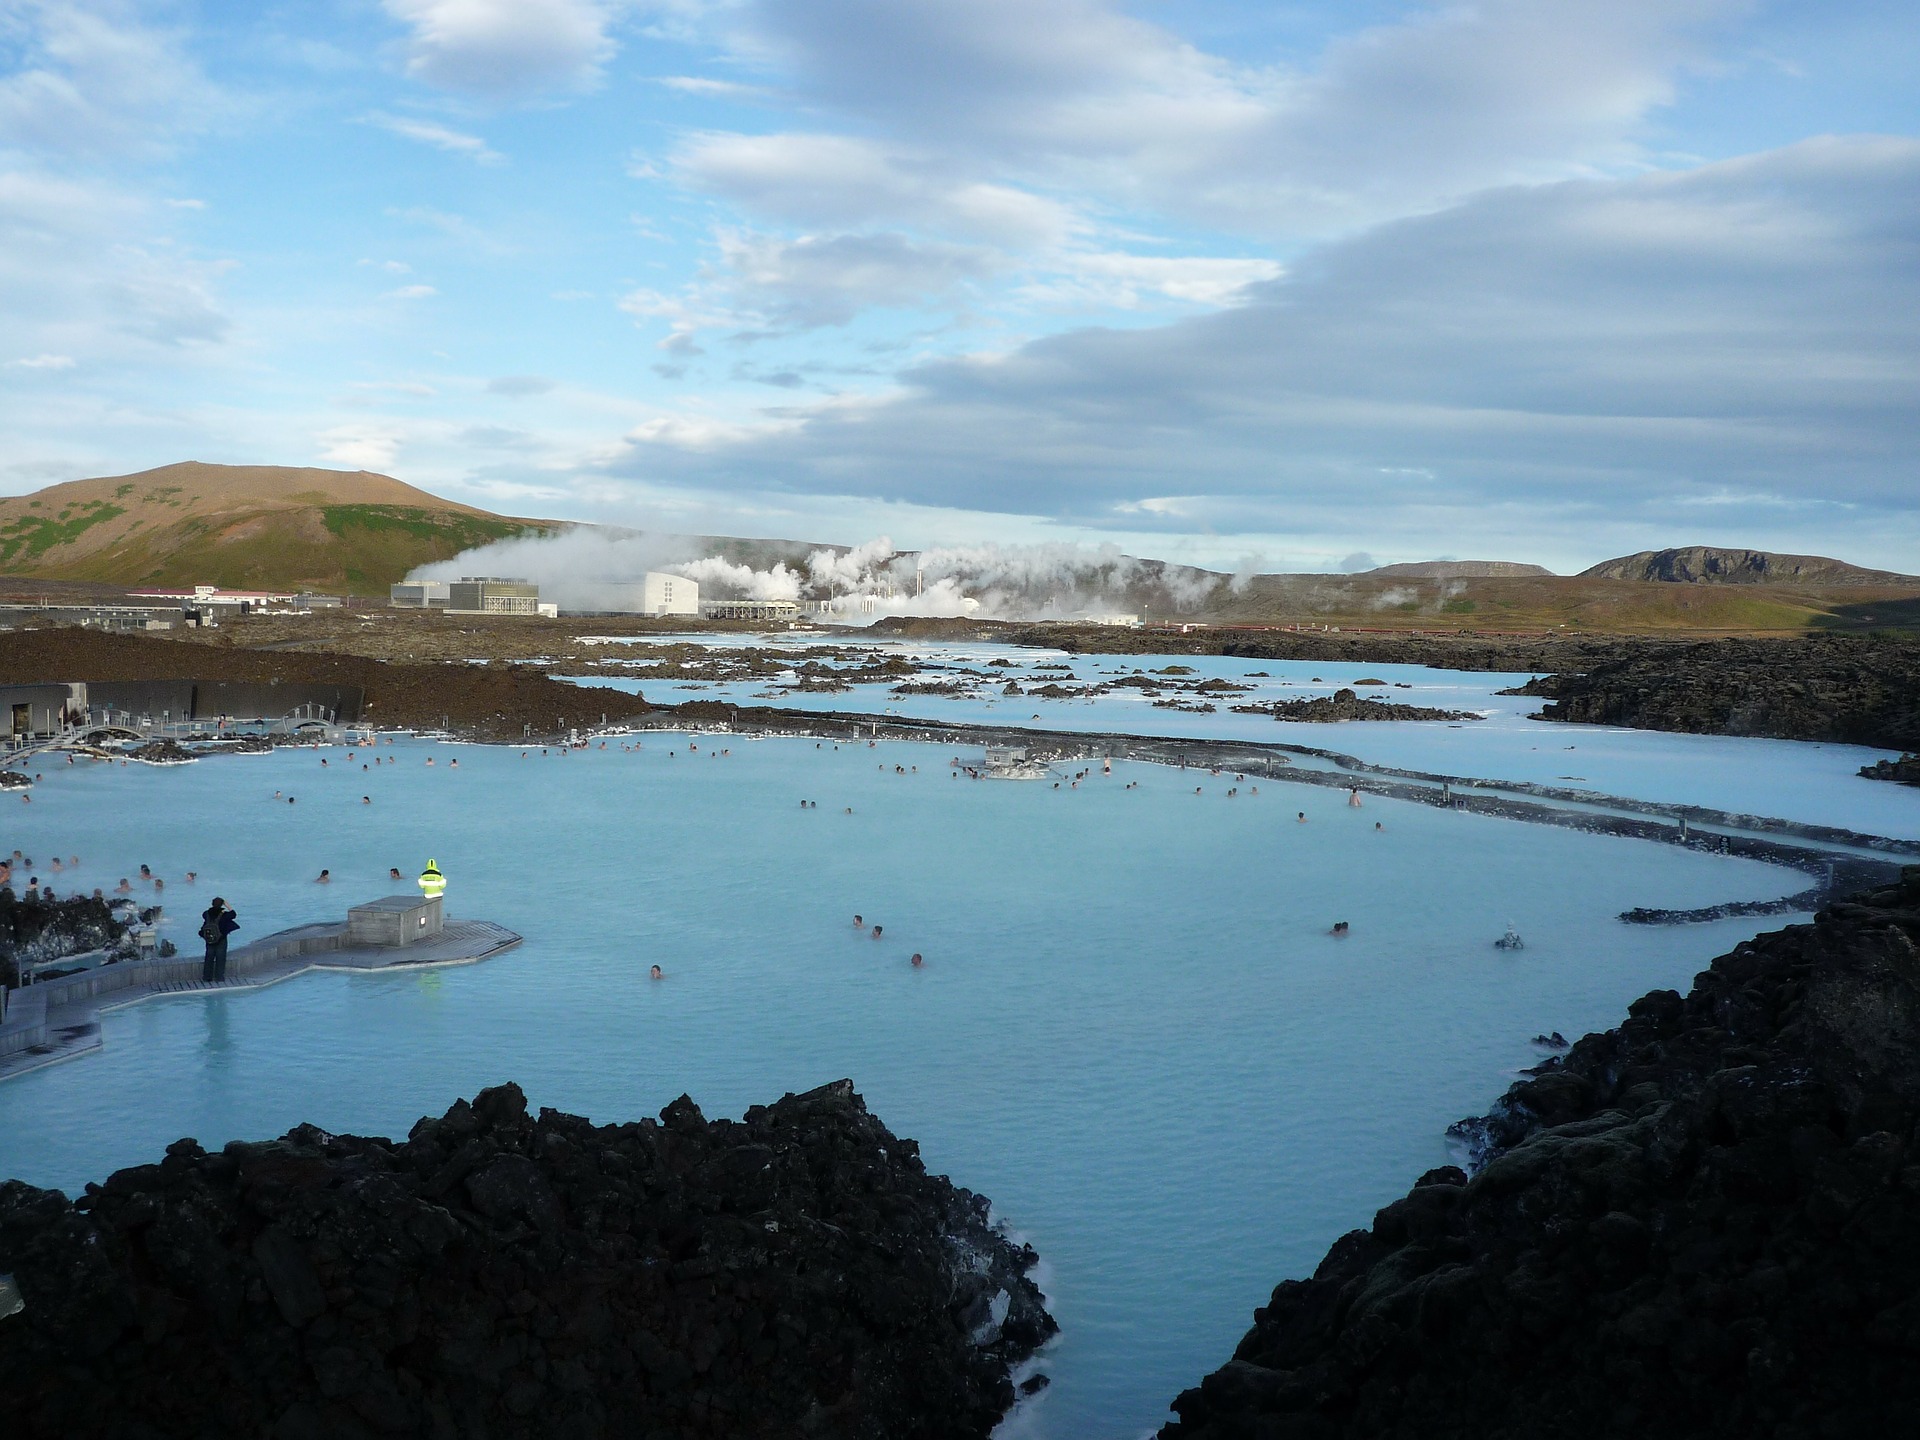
(1709, 565)
(1456, 570)
(1701, 1225)
(241, 526)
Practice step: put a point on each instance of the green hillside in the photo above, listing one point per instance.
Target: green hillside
(241, 526)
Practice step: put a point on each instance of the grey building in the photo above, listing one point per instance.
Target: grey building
(492, 595)
(418, 595)
(750, 609)
(32, 711)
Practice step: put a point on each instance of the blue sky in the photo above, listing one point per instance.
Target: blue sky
(1525, 280)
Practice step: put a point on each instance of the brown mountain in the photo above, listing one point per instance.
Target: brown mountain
(1710, 565)
(1458, 570)
(242, 526)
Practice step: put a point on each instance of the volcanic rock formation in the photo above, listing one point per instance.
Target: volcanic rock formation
(797, 1273)
(1703, 1223)
(41, 928)
(1904, 771)
(1855, 689)
(1345, 704)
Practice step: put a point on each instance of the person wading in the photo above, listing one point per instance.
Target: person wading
(217, 922)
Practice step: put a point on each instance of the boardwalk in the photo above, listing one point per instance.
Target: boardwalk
(60, 1019)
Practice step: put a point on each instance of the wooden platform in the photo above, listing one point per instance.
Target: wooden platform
(60, 1019)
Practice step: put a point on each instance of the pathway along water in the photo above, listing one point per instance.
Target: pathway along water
(1842, 860)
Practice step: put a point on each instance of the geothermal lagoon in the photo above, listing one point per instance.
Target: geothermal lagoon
(1132, 1029)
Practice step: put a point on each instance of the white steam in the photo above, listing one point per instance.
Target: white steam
(588, 568)
(717, 577)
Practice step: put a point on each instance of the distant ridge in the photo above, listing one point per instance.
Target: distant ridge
(1457, 570)
(243, 526)
(1710, 565)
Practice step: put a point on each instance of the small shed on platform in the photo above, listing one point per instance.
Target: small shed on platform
(396, 920)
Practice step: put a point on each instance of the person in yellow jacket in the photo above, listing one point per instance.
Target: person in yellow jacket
(432, 883)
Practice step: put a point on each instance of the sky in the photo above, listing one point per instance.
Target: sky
(1299, 286)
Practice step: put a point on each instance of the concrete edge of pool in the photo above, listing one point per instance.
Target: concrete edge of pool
(59, 1019)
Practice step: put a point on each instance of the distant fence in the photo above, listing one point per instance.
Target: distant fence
(165, 700)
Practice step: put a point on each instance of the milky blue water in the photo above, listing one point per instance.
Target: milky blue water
(1132, 1030)
(1813, 783)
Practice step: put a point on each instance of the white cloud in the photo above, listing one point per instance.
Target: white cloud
(684, 318)
(1173, 505)
(455, 227)
(1395, 119)
(505, 49)
(839, 182)
(1115, 280)
(901, 229)
(362, 448)
(93, 81)
(762, 284)
(411, 292)
(427, 132)
(43, 362)
(73, 283)
(700, 433)
(709, 88)
(828, 279)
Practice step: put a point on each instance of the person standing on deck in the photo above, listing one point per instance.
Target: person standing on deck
(432, 883)
(217, 922)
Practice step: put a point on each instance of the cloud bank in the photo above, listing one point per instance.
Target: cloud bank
(1738, 336)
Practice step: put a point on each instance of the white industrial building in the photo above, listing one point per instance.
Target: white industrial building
(662, 594)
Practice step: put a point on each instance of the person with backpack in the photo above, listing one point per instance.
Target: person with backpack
(217, 922)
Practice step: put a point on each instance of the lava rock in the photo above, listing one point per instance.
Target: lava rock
(1904, 771)
(795, 1273)
(162, 752)
(1853, 689)
(38, 928)
(1344, 704)
(1702, 1223)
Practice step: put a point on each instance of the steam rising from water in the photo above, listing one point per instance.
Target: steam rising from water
(593, 569)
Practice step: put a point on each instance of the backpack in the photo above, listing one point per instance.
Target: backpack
(210, 929)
